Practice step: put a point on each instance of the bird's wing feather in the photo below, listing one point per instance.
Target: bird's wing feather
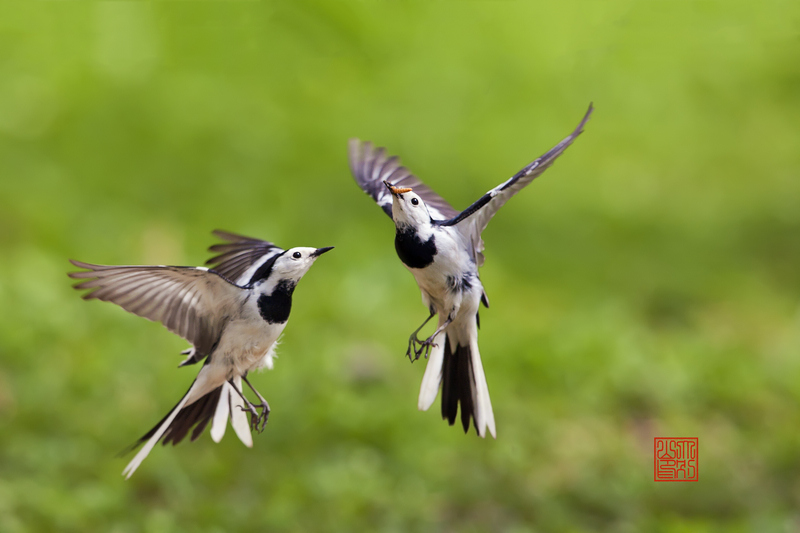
(240, 258)
(189, 301)
(371, 166)
(480, 212)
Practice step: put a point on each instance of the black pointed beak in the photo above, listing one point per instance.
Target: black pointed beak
(389, 186)
(319, 251)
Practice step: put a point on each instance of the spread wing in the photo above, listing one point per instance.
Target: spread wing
(479, 213)
(189, 301)
(243, 260)
(488, 204)
(370, 166)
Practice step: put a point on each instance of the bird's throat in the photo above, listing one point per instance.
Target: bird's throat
(412, 250)
(276, 306)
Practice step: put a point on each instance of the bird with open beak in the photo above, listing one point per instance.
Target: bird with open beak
(443, 249)
(233, 314)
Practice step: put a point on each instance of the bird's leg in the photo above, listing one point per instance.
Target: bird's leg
(264, 405)
(248, 406)
(413, 340)
(427, 344)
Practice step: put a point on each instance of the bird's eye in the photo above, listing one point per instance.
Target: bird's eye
(414, 201)
(297, 255)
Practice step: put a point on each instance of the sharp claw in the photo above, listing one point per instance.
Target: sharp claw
(424, 347)
(253, 415)
(258, 421)
(264, 417)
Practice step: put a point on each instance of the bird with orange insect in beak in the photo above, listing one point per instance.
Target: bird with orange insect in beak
(443, 249)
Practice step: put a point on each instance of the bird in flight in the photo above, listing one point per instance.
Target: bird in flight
(232, 314)
(443, 249)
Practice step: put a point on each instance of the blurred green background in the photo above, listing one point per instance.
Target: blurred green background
(647, 285)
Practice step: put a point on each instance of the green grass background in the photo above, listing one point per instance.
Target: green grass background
(647, 285)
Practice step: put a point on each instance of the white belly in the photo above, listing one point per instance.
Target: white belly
(441, 284)
(245, 344)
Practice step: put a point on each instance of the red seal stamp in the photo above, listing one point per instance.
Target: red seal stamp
(675, 458)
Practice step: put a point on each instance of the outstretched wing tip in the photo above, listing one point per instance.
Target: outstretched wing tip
(81, 264)
(90, 271)
(500, 194)
(356, 145)
(229, 236)
(585, 119)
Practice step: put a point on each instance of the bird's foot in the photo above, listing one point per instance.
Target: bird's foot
(264, 417)
(418, 347)
(258, 420)
(254, 415)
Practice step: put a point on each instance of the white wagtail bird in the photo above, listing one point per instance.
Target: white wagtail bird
(232, 314)
(443, 250)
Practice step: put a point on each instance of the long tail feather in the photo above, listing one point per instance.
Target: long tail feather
(195, 409)
(464, 382)
(458, 386)
(220, 422)
(230, 405)
(483, 404)
(154, 438)
(433, 373)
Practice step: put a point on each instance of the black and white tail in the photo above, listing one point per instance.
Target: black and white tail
(216, 407)
(459, 370)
